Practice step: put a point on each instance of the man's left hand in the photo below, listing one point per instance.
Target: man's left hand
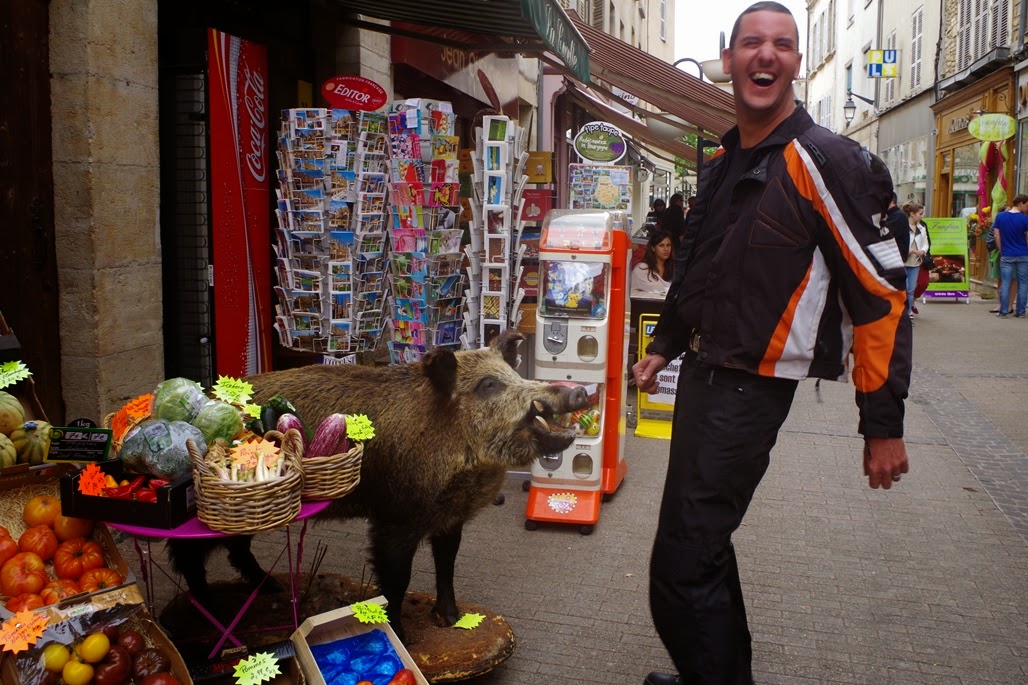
(885, 460)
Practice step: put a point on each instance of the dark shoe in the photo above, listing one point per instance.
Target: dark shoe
(915, 310)
(1001, 315)
(657, 678)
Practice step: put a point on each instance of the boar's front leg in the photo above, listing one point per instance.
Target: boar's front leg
(392, 555)
(444, 553)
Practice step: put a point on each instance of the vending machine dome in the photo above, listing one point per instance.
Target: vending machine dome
(575, 229)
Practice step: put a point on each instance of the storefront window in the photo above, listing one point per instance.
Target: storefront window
(908, 164)
(1022, 149)
(965, 178)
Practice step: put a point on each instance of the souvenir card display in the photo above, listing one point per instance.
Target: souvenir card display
(330, 245)
(595, 186)
(427, 301)
(496, 250)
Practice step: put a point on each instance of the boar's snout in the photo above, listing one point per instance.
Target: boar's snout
(577, 399)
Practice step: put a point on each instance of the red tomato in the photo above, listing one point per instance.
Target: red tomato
(66, 528)
(99, 579)
(41, 511)
(131, 641)
(22, 573)
(404, 676)
(39, 540)
(76, 556)
(8, 548)
(161, 679)
(149, 662)
(4, 532)
(25, 602)
(56, 590)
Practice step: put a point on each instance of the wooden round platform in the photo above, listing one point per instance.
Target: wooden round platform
(444, 654)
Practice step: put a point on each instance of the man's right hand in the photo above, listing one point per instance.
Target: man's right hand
(645, 371)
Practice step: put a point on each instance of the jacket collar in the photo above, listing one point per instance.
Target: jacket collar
(795, 124)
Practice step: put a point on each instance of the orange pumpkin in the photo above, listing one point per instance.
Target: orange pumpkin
(99, 579)
(57, 590)
(76, 556)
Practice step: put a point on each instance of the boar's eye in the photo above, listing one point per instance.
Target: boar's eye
(489, 386)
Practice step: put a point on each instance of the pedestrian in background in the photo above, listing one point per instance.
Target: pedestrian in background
(672, 221)
(652, 275)
(918, 247)
(1011, 232)
(817, 281)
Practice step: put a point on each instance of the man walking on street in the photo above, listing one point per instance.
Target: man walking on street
(1010, 229)
(786, 272)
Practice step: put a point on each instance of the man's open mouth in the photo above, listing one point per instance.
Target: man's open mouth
(762, 78)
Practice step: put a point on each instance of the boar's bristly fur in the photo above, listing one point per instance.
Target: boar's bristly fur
(447, 429)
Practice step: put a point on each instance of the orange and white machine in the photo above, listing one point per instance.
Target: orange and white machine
(581, 338)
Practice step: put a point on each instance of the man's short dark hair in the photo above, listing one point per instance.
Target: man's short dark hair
(1020, 198)
(763, 6)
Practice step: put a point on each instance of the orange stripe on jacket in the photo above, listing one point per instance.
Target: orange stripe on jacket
(776, 347)
(873, 342)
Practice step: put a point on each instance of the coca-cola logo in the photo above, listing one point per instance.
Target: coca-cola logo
(256, 108)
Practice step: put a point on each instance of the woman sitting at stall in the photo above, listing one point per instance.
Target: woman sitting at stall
(652, 276)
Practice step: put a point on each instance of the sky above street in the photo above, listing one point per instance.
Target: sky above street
(698, 24)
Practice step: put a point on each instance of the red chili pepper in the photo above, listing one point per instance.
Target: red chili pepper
(146, 496)
(157, 483)
(120, 492)
(136, 483)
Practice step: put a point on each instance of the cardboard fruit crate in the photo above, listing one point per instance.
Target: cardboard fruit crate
(337, 625)
(176, 502)
(18, 489)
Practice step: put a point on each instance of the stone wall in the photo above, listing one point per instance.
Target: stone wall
(103, 60)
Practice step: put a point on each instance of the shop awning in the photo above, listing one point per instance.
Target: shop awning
(527, 22)
(673, 91)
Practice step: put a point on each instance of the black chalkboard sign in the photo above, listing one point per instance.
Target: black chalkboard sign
(79, 445)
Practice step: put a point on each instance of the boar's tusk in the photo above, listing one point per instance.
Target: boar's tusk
(542, 422)
(538, 406)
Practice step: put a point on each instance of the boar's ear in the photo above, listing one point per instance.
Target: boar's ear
(506, 344)
(441, 369)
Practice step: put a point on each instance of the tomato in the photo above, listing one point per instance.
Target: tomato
(76, 672)
(76, 556)
(39, 540)
(57, 590)
(148, 662)
(23, 573)
(115, 668)
(404, 676)
(94, 648)
(24, 602)
(41, 510)
(4, 532)
(8, 548)
(131, 641)
(55, 656)
(99, 579)
(49, 678)
(161, 679)
(66, 528)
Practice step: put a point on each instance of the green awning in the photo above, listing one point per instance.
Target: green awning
(526, 23)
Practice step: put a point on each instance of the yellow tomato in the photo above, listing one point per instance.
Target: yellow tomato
(76, 672)
(55, 656)
(94, 648)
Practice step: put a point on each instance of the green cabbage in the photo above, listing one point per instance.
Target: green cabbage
(219, 420)
(158, 448)
(178, 399)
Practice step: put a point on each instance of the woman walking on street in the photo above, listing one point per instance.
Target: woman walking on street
(920, 245)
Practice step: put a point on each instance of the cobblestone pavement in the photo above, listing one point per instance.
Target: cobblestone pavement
(924, 584)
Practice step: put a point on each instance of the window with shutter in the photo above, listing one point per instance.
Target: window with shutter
(824, 36)
(916, 41)
(964, 34)
(831, 26)
(596, 16)
(980, 29)
(828, 111)
(890, 83)
(999, 23)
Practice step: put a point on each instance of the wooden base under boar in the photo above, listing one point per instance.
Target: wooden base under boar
(444, 655)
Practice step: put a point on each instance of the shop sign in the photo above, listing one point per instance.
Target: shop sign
(354, 93)
(600, 143)
(949, 250)
(992, 127)
(560, 35)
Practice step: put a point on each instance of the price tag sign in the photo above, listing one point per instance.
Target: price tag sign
(21, 631)
(232, 390)
(469, 621)
(257, 669)
(13, 372)
(368, 612)
(75, 445)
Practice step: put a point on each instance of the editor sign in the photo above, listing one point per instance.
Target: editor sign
(600, 143)
(354, 93)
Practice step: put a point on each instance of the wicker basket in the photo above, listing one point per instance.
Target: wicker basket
(332, 477)
(246, 508)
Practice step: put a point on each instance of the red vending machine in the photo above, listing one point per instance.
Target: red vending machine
(582, 324)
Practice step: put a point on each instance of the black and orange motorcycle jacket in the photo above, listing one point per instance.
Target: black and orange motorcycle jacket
(804, 283)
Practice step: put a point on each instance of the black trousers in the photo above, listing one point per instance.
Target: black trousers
(725, 423)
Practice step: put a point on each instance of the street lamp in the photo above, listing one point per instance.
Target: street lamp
(849, 110)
